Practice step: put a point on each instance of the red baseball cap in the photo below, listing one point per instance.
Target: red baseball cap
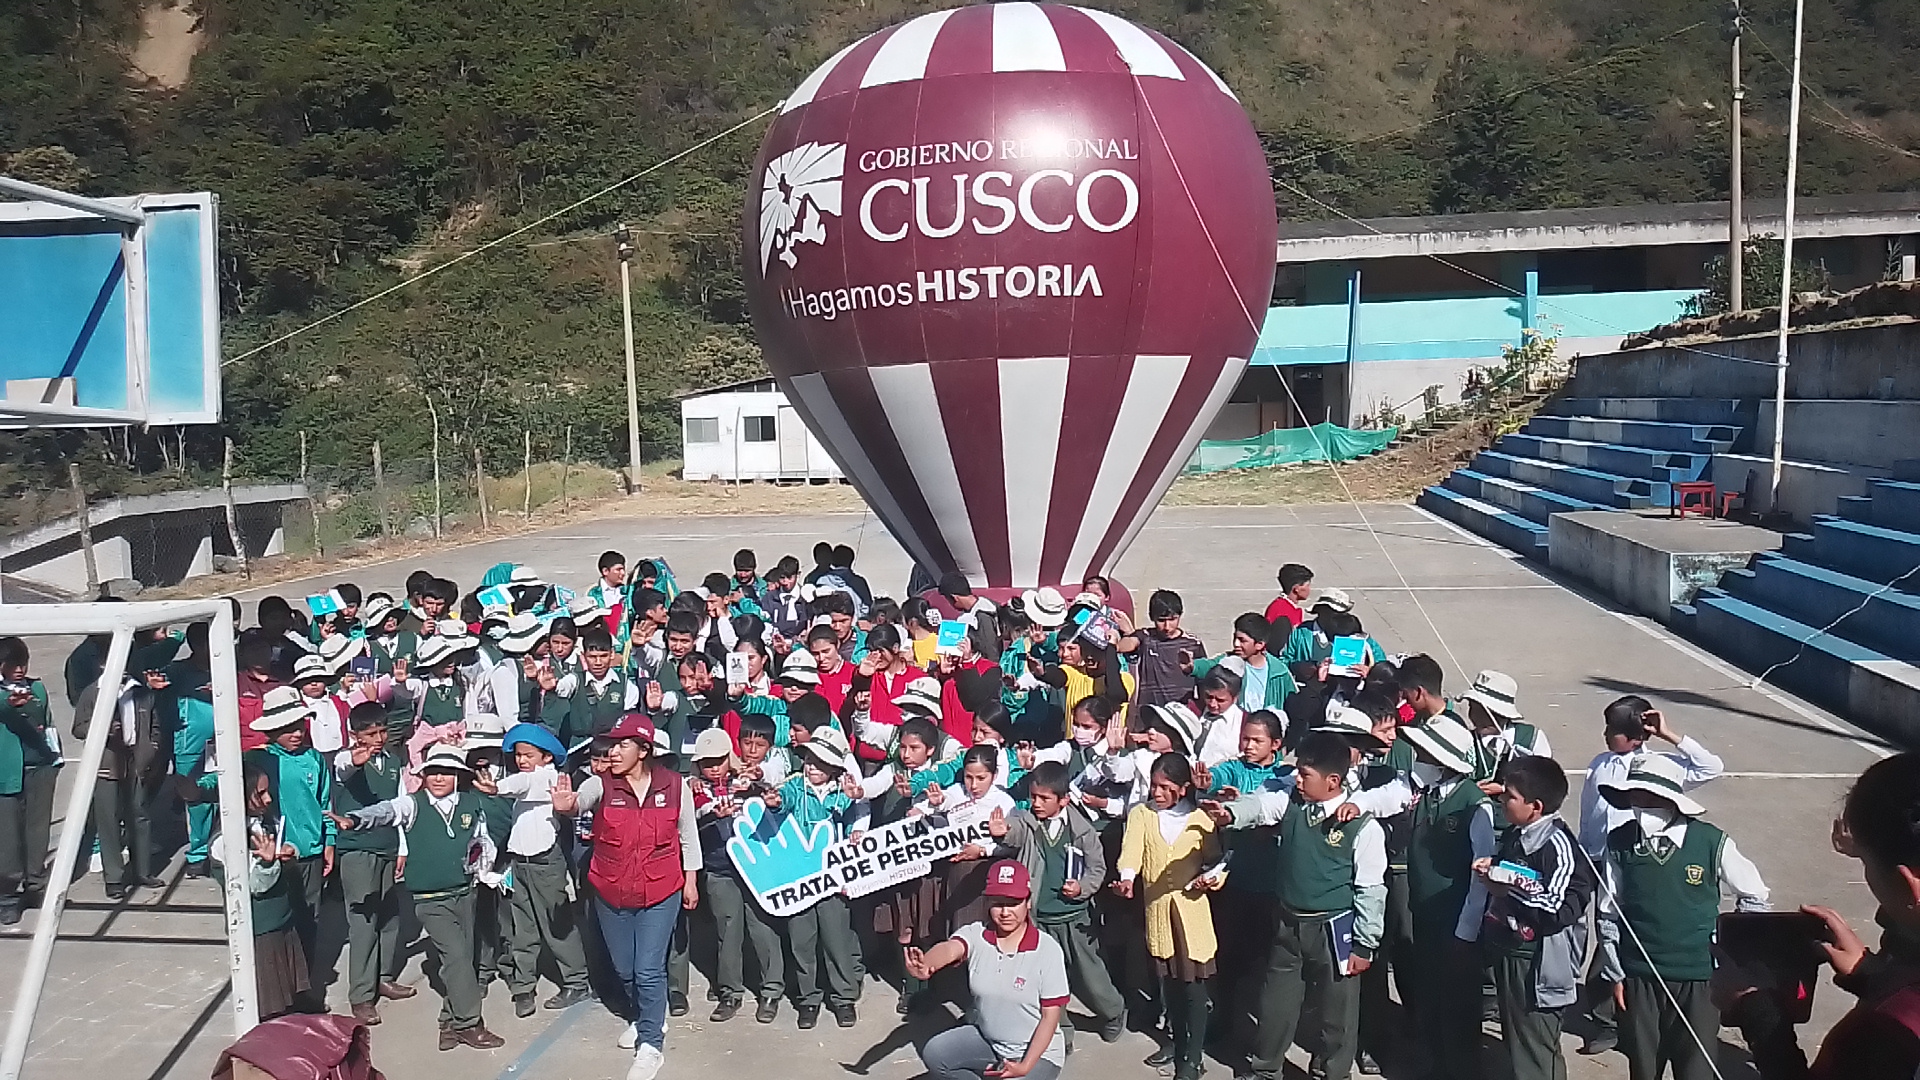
(1008, 878)
(633, 726)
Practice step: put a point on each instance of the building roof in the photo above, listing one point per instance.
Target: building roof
(761, 385)
(1650, 225)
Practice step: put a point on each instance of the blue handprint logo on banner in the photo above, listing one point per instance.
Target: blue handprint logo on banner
(782, 861)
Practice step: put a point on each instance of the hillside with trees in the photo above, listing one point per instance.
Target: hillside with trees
(355, 142)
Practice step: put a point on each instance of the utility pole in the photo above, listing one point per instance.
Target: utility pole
(1786, 263)
(623, 246)
(1736, 232)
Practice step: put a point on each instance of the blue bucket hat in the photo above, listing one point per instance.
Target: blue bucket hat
(534, 735)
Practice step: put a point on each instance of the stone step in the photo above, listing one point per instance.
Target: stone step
(1663, 466)
(1601, 488)
(1648, 434)
(1530, 502)
(1507, 529)
(1854, 547)
(1853, 608)
(1868, 686)
(1730, 412)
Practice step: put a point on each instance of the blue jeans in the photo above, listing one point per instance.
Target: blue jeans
(638, 939)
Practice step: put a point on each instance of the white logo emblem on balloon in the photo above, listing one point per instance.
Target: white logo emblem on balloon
(800, 185)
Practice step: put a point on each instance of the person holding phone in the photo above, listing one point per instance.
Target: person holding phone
(1018, 979)
(1879, 1039)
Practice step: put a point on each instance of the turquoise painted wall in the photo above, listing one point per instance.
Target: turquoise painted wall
(1457, 327)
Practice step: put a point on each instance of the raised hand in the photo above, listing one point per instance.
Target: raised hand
(1202, 777)
(655, 696)
(400, 668)
(936, 796)
(915, 961)
(1221, 815)
(997, 823)
(565, 799)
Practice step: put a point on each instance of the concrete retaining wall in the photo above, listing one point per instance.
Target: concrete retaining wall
(1874, 362)
(1647, 565)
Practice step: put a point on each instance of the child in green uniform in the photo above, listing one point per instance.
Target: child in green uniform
(822, 935)
(29, 767)
(387, 640)
(544, 916)
(1660, 899)
(1243, 910)
(369, 862)
(281, 975)
(1066, 866)
(447, 845)
(1452, 826)
(1329, 899)
(302, 784)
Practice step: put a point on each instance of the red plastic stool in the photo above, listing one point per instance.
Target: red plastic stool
(1694, 495)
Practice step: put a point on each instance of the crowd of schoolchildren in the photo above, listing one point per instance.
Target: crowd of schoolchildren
(1235, 851)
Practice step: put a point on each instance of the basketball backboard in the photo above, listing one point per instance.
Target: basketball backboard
(109, 309)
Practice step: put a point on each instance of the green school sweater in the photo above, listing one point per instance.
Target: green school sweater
(23, 739)
(1313, 865)
(1440, 857)
(302, 788)
(437, 846)
(376, 781)
(1672, 901)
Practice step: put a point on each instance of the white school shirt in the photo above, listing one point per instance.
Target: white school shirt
(1220, 736)
(533, 831)
(1598, 817)
(325, 726)
(1736, 872)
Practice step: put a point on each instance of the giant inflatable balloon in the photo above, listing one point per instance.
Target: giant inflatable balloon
(1008, 261)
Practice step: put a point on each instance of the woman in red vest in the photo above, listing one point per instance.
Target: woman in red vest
(646, 848)
(1880, 1038)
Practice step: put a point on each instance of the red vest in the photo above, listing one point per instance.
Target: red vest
(636, 841)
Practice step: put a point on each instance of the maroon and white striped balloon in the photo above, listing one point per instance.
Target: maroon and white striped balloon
(1008, 261)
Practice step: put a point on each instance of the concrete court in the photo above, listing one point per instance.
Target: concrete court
(136, 990)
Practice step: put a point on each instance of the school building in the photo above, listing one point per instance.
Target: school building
(1368, 315)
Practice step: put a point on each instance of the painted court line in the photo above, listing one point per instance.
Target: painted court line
(543, 1042)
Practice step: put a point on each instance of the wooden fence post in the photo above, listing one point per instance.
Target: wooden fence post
(233, 516)
(313, 507)
(439, 516)
(380, 492)
(86, 530)
(526, 469)
(566, 466)
(480, 486)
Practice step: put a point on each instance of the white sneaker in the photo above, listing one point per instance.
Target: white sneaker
(93, 864)
(646, 1063)
(629, 1038)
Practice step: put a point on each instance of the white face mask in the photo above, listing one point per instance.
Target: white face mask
(1085, 736)
(1427, 775)
(1652, 819)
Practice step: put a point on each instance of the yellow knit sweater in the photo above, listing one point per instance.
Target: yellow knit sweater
(1164, 870)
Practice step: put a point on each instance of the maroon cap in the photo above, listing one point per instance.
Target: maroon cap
(1009, 879)
(633, 726)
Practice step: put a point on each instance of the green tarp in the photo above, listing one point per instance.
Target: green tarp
(1284, 446)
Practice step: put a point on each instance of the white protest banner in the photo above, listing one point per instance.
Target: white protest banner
(790, 868)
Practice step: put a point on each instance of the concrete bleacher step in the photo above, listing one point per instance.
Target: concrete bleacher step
(1853, 608)
(1482, 518)
(1890, 504)
(1728, 412)
(1662, 466)
(1600, 488)
(1530, 502)
(1648, 434)
(1867, 685)
(1877, 554)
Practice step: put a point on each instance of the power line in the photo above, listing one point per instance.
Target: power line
(498, 240)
